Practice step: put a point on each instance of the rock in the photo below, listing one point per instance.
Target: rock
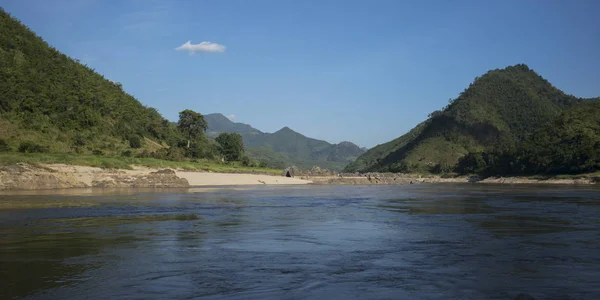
(164, 172)
(29, 177)
(160, 179)
(291, 171)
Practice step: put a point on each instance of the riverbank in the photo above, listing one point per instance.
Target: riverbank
(386, 179)
(22, 176)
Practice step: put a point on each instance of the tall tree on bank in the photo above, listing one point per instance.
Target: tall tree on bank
(231, 146)
(192, 125)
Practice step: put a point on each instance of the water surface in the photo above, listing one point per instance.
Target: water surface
(308, 242)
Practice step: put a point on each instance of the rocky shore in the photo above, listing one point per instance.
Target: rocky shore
(391, 178)
(29, 177)
(58, 176)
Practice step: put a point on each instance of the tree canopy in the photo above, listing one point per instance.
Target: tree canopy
(490, 120)
(231, 146)
(192, 125)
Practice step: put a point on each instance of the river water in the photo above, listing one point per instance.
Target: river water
(308, 242)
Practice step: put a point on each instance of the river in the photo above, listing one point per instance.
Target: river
(439, 241)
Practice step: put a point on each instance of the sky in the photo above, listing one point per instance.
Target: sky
(338, 70)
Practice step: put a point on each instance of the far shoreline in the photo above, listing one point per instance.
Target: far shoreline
(27, 177)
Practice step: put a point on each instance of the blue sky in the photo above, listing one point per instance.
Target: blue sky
(363, 71)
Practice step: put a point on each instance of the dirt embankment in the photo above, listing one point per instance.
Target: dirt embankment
(29, 177)
(59, 176)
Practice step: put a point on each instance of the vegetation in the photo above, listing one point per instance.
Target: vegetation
(231, 146)
(509, 121)
(192, 125)
(286, 147)
(121, 162)
(570, 144)
(50, 103)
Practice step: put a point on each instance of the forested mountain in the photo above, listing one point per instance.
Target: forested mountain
(219, 123)
(570, 144)
(51, 100)
(498, 112)
(286, 147)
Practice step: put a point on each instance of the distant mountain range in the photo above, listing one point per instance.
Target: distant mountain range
(286, 147)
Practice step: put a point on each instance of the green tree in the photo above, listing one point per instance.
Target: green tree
(231, 146)
(192, 125)
(135, 142)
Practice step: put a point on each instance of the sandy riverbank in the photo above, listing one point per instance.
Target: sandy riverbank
(59, 176)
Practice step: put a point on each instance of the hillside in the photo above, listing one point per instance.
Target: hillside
(499, 110)
(570, 144)
(53, 103)
(219, 123)
(286, 147)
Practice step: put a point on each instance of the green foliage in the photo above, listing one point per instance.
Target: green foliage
(62, 102)
(127, 162)
(488, 121)
(231, 146)
(127, 153)
(205, 149)
(31, 147)
(135, 142)
(64, 106)
(286, 147)
(4, 146)
(79, 140)
(192, 125)
(218, 123)
(570, 144)
(246, 162)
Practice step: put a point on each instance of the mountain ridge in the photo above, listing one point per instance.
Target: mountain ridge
(286, 146)
(499, 109)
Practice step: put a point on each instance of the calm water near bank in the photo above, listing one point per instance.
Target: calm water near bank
(303, 242)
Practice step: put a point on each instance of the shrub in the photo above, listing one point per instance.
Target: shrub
(4, 146)
(31, 147)
(262, 164)
(79, 140)
(246, 162)
(127, 153)
(135, 142)
(97, 152)
(144, 154)
(175, 154)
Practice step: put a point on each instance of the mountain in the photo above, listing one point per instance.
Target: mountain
(286, 147)
(499, 110)
(570, 144)
(219, 123)
(51, 102)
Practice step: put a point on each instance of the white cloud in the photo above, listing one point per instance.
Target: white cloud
(202, 47)
(231, 117)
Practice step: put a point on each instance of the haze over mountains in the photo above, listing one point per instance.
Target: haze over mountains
(286, 147)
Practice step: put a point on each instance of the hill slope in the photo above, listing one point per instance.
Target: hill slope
(286, 147)
(499, 110)
(219, 123)
(53, 101)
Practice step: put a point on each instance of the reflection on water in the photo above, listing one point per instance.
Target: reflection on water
(338, 242)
